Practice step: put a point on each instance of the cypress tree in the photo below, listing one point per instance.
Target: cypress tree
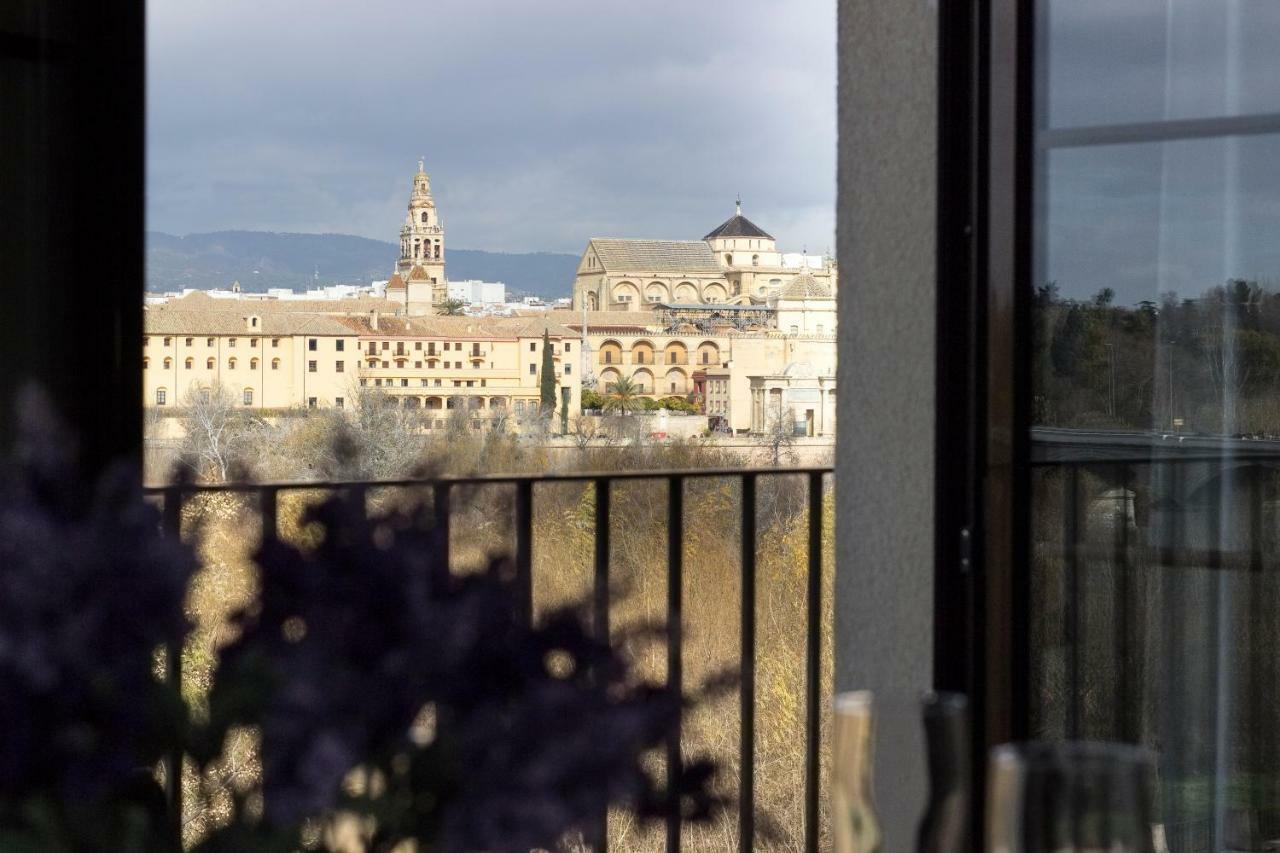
(547, 380)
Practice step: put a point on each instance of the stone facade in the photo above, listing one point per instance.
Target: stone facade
(738, 262)
(665, 363)
(419, 281)
(283, 356)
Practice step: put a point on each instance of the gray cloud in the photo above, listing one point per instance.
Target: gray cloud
(543, 124)
(1179, 216)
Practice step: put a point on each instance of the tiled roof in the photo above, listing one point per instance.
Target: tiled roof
(738, 226)
(231, 323)
(395, 282)
(804, 286)
(201, 301)
(688, 257)
(456, 327)
(418, 273)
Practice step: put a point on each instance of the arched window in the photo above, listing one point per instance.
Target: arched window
(275, 365)
(248, 401)
(161, 396)
(728, 259)
(424, 217)
(188, 364)
(417, 247)
(253, 364)
(755, 260)
(168, 363)
(209, 364)
(231, 364)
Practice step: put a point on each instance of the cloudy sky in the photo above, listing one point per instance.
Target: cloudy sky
(542, 123)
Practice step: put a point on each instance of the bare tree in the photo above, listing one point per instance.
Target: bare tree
(587, 431)
(779, 441)
(500, 421)
(374, 437)
(219, 437)
(389, 436)
(459, 422)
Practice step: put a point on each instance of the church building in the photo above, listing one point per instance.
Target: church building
(737, 263)
(419, 281)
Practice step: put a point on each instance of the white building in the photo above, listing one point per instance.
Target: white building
(476, 292)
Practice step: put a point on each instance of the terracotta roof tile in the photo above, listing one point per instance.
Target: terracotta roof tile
(678, 257)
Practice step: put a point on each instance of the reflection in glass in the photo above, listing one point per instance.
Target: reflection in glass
(1155, 587)
(1062, 798)
(1126, 61)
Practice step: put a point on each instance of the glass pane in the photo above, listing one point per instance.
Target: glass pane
(1121, 61)
(1155, 588)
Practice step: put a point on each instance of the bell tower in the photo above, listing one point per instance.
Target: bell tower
(421, 262)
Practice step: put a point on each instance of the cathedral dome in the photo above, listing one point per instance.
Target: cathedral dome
(799, 370)
(805, 286)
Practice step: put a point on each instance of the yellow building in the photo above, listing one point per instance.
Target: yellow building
(267, 359)
(671, 359)
(737, 262)
(280, 355)
(491, 366)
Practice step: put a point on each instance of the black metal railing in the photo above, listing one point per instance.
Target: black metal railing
(174, 497)
(1133, 558)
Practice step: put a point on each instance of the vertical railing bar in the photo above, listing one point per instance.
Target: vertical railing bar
(358, 494)
(813, 667)
(675, 640)
(171, 521)
(1215, 527)
(600, 609)
(1121, 574)
(1071, 615)
(747, 673)
(1255, 520)
(600, 588)
(268, 512)
(440, 501)
(1262, 684)
(524, 549)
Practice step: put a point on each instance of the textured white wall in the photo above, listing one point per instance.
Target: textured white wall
(886, 247)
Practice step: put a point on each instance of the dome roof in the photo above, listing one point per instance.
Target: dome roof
(800, 370)
(804, 286)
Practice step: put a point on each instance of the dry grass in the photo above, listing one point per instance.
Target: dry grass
(563, 549)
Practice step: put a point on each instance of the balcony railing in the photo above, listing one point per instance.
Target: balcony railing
(1152, 592)
(174, 497)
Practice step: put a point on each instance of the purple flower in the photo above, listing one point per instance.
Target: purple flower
(89, 591)
(537, 729)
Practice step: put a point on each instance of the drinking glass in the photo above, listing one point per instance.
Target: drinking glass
(1070, 797)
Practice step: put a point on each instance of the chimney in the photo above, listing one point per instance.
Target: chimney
(373, 321)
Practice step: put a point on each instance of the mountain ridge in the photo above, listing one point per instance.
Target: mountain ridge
(264, 259)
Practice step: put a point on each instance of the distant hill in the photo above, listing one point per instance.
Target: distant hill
(263, 259)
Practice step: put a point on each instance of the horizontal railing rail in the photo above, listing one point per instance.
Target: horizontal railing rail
(174, 496)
